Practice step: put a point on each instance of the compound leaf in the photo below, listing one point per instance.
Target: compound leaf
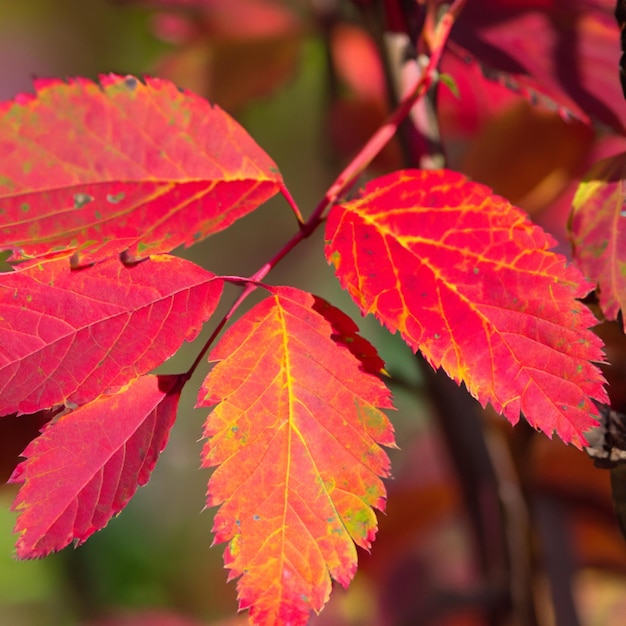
(295, 439)
(469, 281)
(84, 468)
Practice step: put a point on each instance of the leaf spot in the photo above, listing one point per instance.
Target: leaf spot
(81, 199)
(115, 198)
(25, 207)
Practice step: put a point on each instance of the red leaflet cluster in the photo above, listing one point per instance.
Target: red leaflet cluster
(296, 424)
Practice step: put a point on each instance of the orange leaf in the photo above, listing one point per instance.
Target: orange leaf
(295, 437)
(469, 281)
(598, 231)
(84, 468)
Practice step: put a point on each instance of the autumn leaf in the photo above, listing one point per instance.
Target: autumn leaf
(67, 335)
(295, 439)
(84, 468)
(469, 281)
(598, 231)
(124, 164)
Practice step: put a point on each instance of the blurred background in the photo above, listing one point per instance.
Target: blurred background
(485, 524)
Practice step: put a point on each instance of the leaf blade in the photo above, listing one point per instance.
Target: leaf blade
(83, 469)
(455, 268)
(67, 335)
(295, 437)
(99, 168)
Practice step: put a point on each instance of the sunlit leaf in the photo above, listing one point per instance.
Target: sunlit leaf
(67, 335)
(98, 169)
(84, 468)
(469, 281)
(295, 439)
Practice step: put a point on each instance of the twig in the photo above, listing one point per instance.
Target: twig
(350, 174)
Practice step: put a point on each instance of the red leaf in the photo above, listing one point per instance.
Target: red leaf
(598, 231)
(84, 468)
(469, 281)
(295, 437)
(122, 165)
(67, 335)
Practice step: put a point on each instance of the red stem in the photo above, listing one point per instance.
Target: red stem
(350, 174)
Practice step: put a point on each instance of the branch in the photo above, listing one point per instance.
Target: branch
(344, 182)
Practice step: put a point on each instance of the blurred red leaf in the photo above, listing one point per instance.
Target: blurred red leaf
(101, 168)
(255, 40)
(243, 19)
(469, 281)
(207, 65)
(67, 335)
(84, 468)
(295, 438)
(483, 92)
(357, 62)
(570, 47)
(361, 104)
